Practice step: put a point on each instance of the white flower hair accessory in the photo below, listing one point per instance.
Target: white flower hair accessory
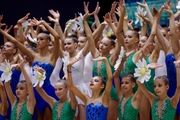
(141, 12)
(71, 26)
(107, 32)
(31, 39)
(38, 78)
(66, 61)
(7, 72)
(80, 22)
(142, 71)
(120, 58)
(178, 5)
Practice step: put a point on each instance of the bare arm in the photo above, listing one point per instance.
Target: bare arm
(4, 103)
(73, 101)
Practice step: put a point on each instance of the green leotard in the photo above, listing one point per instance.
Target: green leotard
(150, 84)
(130, 113)
(67, 113)
(103, 73)
(168, 112)
(23, 113)
(129, 67)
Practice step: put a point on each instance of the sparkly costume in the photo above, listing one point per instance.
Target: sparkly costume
(129, 113)
(103, 73)
(168, 112)
(96, 112)
(67, 113)
(23, 113)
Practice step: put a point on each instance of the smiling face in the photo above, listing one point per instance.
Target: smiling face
(42, 41)
(160, 87)
(81, 42)
(60, 89)
(69, 45)
(131, 38)
(127, 85)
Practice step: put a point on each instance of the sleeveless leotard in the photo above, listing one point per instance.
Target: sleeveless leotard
(150, 84)
(67, 113)
(168, 112)
(23, 113)
(48, 88)
(96, 112)
(103, 73)
(129, 68)
(130, 113)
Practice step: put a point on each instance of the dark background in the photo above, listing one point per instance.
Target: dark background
(16, 9)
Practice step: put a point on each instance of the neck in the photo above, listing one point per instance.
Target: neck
(9, 57)
(128, 94)
(23, 100)
(130, 49)
(106, 54)
(43, 51)
(63, 99)
(73, 54)
(163, 97)
(95, 95)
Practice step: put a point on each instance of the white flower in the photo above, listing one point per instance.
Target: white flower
(31, 39)
(107, 32)
(24, 25)
(65, 60)
(38, 78)
(6, 68)
(120, 58)
(178, 5)
(80, 22)
(141, 12)
(71, 26)
(142, 71)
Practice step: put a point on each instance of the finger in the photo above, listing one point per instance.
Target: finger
(10, 27)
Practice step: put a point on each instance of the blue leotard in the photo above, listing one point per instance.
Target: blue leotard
(48, 88)
(2, 117)
(96, 112)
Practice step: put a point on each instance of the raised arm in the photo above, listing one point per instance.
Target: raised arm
(4, 103)
(72, 87)
(31, 100)
(10, 94)
(175, 98)
(117, 80)
(73, 100)
(106, 94)
(174, 34)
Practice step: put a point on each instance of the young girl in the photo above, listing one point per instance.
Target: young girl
(22, 108)
(129, 103)
(163, 107)
(3, 102)
(97, 105)
(65, 108)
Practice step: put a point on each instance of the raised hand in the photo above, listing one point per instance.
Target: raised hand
(20, 21)
(107, 17)
(86, 10)
(145, 19)
(113, 7)
(2, 24)
(73, 61)
(154, 65)
(53, 20)
(97, 9)
(100, 59)
(36, 22)
(56, 14)
(8, 29)
(168, 9)
(39, 69)
(142, 5)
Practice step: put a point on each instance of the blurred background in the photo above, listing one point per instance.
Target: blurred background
(16, 9)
